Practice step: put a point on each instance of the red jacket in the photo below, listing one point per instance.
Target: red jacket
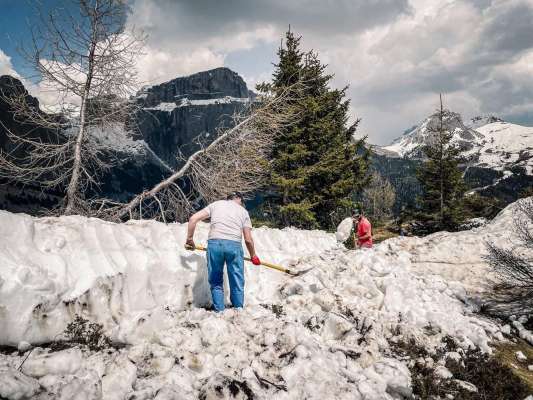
(364, 227)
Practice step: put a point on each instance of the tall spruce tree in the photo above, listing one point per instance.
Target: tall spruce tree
(317, 165)
(441, 206)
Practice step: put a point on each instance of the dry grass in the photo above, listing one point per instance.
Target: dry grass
(381, 233)
(506, 353)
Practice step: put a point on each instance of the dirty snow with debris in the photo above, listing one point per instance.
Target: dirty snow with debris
(323, 334)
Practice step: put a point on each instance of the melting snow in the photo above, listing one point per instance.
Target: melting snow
(301, 337)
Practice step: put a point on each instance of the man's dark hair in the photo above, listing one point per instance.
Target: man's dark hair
(234, 195)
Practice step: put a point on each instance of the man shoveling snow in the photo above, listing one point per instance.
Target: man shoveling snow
(229, 222)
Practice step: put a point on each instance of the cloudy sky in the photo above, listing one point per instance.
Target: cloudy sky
(395, 55)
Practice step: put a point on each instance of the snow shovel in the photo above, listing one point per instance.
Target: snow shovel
(268, 265)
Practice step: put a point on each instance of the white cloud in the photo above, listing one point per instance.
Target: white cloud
(6, 68)
(157, 65)
(478, 57)
(396, 55)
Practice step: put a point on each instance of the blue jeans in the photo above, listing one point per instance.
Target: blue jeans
(220, 251)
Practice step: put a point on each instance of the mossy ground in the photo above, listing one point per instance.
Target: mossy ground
(506, 354)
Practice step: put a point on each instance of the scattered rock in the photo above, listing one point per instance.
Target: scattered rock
(443, 372)
(466, 385)
(520, 356)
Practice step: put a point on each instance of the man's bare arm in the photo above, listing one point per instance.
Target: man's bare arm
(191, 226)
(249, 241)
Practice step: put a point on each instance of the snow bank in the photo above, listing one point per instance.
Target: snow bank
(324, 334)
(53, 268)
(458, 256)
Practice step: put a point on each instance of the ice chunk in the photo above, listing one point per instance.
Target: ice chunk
(344, 229)
(119, 378)
(466, 385)
(14, 385)
(443, 372)
(64, 362)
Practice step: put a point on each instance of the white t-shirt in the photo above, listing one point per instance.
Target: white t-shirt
(227, 220)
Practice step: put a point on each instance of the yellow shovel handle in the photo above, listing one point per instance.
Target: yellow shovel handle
(273, 266)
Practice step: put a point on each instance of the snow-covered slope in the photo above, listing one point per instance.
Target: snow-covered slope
(487, 142)
(148, 291)
(504, 146)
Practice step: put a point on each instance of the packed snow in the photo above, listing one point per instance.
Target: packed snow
(184, 102)
(163, 106)
(297, 337)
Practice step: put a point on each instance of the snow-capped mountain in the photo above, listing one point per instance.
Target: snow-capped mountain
(410, 144)
(488, 142)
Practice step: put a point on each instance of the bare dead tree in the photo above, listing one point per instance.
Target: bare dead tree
(88, 63)
(236, 160)
(378, 198)
(513, 295)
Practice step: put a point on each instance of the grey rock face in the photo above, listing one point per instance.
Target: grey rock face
(213, 84)
(174, 120)
(177, 134)
(179, 116)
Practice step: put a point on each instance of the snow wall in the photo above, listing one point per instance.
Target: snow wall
(54, 268)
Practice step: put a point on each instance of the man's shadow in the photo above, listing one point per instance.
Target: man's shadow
(201, 295)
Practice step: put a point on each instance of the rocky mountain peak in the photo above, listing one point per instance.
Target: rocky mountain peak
(213, 84)
(11, 86)
(483, 120)
(410, 144)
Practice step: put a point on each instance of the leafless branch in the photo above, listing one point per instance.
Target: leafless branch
(236, 160)
(88, 64)
(513, 295)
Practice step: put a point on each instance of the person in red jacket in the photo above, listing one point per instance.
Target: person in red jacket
(363, 230)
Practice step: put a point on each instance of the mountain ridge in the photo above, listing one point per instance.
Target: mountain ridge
(170, 128)
(488, 142)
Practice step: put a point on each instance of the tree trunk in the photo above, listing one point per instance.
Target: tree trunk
(441, 140)
(76, 168)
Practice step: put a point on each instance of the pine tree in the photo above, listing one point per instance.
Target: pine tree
(317, 165)
(441, 207)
